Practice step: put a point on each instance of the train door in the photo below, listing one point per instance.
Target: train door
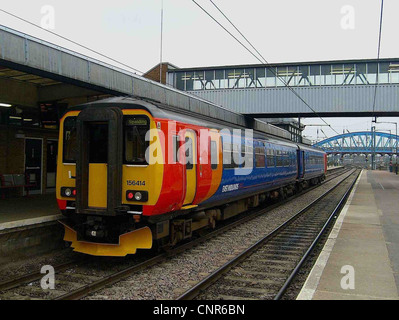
(51, 164)
(34, 163)
(191, 166)
(99, 164)
(325, 163)
(301, 164)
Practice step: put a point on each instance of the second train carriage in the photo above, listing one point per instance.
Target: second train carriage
(117, 202)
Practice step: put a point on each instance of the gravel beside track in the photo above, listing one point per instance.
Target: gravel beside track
(21, 266)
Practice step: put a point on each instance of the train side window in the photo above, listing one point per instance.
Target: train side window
(189, 154)
(176, 148)
(70, 140)
(214, 155)
(279, 159)
(236, 156)
(249, 154)
(227, 156)
(270, 158)
(286, 159)
(260, 157)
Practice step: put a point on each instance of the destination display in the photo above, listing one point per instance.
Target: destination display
(136, 122)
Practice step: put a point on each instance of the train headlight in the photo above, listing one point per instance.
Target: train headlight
(139, 196)
(68, 192)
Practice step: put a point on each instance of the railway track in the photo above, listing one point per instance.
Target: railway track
(75, 281)
(266, 270)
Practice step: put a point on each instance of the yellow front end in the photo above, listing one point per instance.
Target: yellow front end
(147, 178)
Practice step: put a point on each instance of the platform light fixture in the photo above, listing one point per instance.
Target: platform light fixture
(5, 105)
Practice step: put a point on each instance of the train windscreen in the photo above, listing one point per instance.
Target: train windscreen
(70, 140)
(135, 144)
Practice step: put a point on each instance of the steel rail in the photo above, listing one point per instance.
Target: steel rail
(216, 275)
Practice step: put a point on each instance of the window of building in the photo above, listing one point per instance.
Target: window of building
(220, 80)
(303, 76)
(271, 77)
(260, 77)
(327, 78)
(209, 78)
(315, 75)
(361, 72)
(384, 73)
(180, 80)
(349, 74)
(292, 78)
(394, 72)
(198, 79)
(282, 76)
(232, 78)
(189, 81)
(241, 78)
(251, 80)
(372, 73)
(337, 73)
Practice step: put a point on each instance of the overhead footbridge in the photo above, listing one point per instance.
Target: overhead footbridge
(365, 142)
(343, 88)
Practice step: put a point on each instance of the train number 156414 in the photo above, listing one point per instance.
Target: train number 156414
(135, 183)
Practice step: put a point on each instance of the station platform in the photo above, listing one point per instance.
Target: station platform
(27, 211)
(360, 260)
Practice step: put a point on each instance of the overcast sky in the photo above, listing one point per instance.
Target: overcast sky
(283, 31)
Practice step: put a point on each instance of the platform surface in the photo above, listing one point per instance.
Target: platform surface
(365, 237)
(24, 211)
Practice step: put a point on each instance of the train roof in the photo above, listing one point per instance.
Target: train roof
(159, 110)
(205, 112)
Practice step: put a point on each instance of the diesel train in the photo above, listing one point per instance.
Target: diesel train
(132, 173)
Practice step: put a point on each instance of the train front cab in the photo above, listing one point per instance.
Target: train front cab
(101, 189)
